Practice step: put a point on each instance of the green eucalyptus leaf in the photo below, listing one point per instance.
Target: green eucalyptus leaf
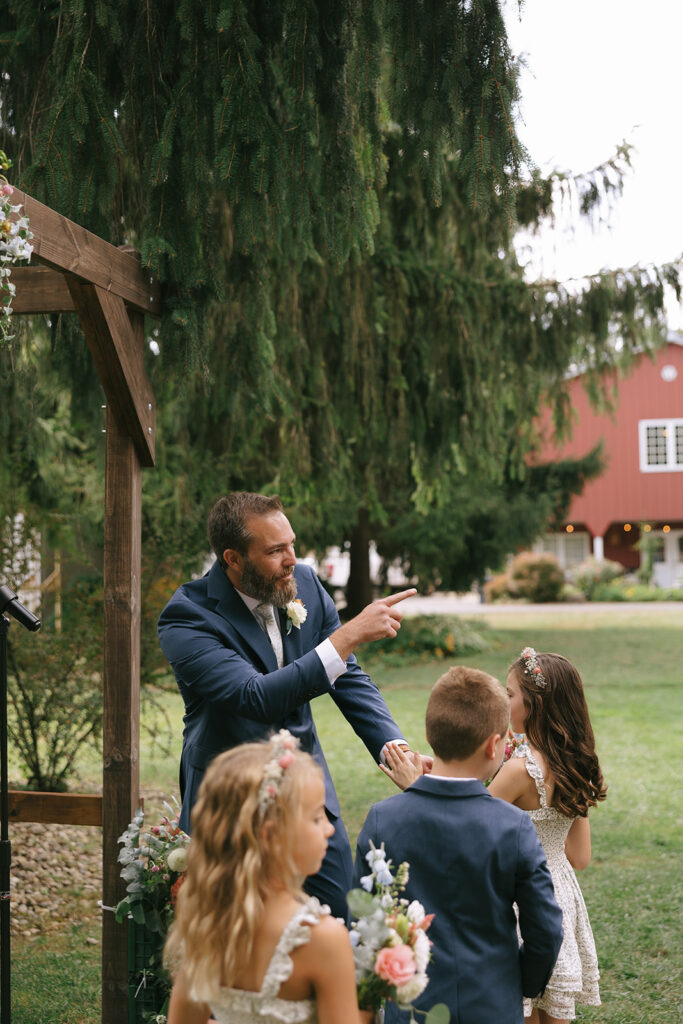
(138, 912)
(439, 1014)
(123, 909)
(361, 903)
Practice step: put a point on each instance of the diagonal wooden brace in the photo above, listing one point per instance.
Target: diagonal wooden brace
(107, 326)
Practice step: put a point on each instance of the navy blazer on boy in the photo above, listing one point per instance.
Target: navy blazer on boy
(471, 858)
(234, 693)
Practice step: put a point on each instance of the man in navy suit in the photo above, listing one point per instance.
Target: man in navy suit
(253, 641)
(471, 858)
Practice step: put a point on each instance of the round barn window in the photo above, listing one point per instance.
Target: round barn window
(669, 373)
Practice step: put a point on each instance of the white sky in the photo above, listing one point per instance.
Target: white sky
(600, 71)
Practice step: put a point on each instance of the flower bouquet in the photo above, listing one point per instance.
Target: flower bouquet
(389, 940)
(153, 865)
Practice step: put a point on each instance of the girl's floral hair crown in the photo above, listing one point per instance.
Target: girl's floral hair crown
(532, 668)
(284, 747)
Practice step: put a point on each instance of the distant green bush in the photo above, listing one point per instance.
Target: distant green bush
(531, 577)
(498, 588)
(572, 594)
(593, 573)
(626, 590)
(536, 578)
(427, 638)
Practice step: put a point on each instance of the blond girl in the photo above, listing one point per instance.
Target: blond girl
(248, 946)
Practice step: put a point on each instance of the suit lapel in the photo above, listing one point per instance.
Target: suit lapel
(233, 609)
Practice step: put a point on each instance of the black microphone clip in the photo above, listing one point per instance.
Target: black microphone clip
(10, 604)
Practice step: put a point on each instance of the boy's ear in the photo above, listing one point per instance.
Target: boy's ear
(490, 746)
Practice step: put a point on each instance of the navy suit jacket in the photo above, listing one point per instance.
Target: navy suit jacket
(233, 690)
(471, 858)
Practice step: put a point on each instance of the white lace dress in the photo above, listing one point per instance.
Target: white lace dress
(235, 1006)
(575, 976)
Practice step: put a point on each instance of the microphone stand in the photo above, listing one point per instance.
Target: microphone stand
(10, 604)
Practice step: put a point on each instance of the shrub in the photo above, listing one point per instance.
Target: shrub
(426, 638)
(498, 588)
(536, 578)
(55, 691)
(594, 572)
(626, 590)
(571, 594)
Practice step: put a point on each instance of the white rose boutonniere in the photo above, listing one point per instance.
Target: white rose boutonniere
(296, 613)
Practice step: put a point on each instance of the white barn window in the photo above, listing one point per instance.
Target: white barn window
(570, 549)
(660, 444)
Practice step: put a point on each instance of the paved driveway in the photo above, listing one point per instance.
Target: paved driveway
(469, 604)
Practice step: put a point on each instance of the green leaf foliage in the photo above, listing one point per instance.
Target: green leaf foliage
(143, 121)
(439, 1014)
(328, 194)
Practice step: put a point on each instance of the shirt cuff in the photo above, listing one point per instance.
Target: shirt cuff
(332, 663)
(383, 751)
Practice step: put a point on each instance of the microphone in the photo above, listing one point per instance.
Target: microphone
(10, 604)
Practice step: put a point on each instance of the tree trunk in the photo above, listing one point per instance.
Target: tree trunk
(359, 587)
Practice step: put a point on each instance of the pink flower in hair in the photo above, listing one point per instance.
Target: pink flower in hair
(286, 759)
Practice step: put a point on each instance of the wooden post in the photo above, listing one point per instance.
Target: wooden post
(121, 722)
(111, 293)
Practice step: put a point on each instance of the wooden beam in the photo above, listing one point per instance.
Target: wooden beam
(116, 338)
(63, 245)
(40, 290)
(55, 808)
(121, 696)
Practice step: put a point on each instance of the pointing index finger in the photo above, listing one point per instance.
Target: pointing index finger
(401, 596)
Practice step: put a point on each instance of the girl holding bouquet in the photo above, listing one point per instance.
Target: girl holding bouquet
(247, 945)
(555, 776)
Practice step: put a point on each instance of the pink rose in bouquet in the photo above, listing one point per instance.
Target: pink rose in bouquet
(395, 964)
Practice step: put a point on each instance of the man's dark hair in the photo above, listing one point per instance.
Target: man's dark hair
(228, 517)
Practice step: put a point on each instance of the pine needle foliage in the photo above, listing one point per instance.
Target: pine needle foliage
(328, 191)
(141, 120)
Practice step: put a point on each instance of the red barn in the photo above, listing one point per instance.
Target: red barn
(642, 485)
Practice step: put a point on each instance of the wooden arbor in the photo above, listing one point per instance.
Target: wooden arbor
(79, 272)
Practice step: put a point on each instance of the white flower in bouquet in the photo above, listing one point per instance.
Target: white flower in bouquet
(177, 859)
(415, 912)
(421, 951)
(405, 994)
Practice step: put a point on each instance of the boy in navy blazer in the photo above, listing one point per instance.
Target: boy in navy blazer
(472, 858)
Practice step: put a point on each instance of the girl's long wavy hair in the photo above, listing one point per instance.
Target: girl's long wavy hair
(558, 725)
(237, 854)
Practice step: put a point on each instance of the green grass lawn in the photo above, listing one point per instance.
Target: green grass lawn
(632, 665)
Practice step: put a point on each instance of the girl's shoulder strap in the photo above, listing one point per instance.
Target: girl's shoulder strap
(534, 769)
(296, 933)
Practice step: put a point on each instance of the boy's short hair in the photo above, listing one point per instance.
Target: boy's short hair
(465, 707)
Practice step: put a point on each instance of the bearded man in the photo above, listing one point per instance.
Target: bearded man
(256, 639)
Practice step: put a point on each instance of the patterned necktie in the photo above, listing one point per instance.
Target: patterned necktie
(266, 616)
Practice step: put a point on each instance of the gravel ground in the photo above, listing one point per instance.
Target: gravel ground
(55, 877)
(56, 873)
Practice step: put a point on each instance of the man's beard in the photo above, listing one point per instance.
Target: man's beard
(265, 588)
